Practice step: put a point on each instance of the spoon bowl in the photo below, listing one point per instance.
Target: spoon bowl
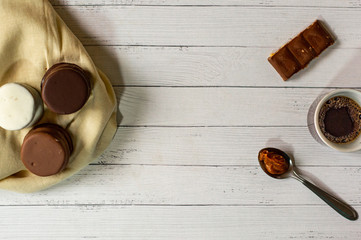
(281, 153)
(341, 207)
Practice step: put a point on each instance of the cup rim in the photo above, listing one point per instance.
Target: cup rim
(337, 146)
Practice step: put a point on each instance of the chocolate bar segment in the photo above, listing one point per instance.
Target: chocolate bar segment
(300, 51)
(284, 63)
(318, 37)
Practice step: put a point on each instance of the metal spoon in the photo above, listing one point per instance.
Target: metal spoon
(340, 207)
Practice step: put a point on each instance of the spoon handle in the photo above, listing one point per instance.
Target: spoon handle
(340, 207)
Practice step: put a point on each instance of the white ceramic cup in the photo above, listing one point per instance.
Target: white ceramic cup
(352, 146)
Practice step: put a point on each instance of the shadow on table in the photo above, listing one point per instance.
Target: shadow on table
(352, 73)
(113, 70)
(280, 144)
(111, 66)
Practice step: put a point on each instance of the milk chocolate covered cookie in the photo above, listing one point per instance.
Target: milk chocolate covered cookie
(65, 88)
(46, 149)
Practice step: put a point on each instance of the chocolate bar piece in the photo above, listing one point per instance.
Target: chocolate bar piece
(300, 51)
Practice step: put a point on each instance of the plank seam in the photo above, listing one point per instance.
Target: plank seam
(202, 6)
(209, 126)
(171, 205)
(216, 165)
(195, 46)
(231, 86)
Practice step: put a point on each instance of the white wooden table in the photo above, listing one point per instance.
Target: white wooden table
(198, 100)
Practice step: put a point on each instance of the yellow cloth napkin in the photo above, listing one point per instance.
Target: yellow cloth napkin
(33, 38)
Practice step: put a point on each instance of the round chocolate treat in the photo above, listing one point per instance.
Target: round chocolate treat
(65, 88)
(46, 149)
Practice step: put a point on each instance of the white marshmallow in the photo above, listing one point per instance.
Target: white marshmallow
(20, 106)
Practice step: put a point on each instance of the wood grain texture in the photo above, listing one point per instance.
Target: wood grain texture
(117, 222)
(169, 106)
(218, 146)
(221, 66)
(270, 3)
(192, 185)
(197, 100)
(204, 26)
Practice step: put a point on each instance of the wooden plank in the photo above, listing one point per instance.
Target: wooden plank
(232, 146)
(115, 222)
(291, 3)
(204, 26)
(191, 185)
(226, 66)
(215, 106)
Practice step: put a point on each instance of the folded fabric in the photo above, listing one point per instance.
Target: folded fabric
(33, 38)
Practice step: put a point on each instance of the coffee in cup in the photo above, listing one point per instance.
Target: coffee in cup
(339, 119)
